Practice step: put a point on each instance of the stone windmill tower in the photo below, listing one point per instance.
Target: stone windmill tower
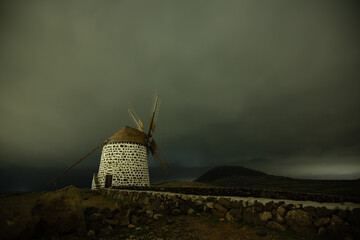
(124, 156)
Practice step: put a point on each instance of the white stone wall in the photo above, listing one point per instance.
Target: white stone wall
(126, 162)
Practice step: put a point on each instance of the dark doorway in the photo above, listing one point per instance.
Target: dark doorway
(108, 181)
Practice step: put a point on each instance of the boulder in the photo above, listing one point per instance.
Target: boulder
(300, 221)
(106, 212)
(277, 217)
(123, 217)
(354, 217)
(226, 203)
(220, 208)
(175, 211)
(258, 207)
(91, 210)
(323, 212)
(250, 215)
(59, 212)
(337, 226)
(235, 204)
(235, 214)
(281, 210)
(190, 211)
(265, 216)
(269, 206)
(321, 221)
(209, 204)
(157, 216)
(276, 225)
(217, 213)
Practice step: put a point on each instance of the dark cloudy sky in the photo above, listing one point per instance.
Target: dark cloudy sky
(271, 85)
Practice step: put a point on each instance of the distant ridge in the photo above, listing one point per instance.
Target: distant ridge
(241, 177)
(227, 171)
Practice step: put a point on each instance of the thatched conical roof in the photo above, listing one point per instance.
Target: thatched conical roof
(128, 134)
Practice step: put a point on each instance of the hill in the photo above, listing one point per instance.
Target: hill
(241, 177)
(227, 171)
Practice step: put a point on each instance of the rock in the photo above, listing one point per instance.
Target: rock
(224, 202)
(134, 219)
(217, 213)
(157, 216)
(220, 208)
(106, 212)
(277, 217)
(91, 210)
(354, 217)
(146, 200)
(123, 217)
(265, 216)
(337, 226)
(250, 215)
(198, 202)
(276, 225)
(190, 211)
(210, 199)
(258, 207)
(281, 210)
(176, 211)
(149, 213)
(321, 221)
(209, 204)
(235, 204)
(59, 211)
(235, 214)
(309, 209)
(298, 206)
(269, 206)
(229, 217)
(321, 232)
(111, 222)
(91, 234)
(94, 221)
(300, 221)
(107, 230)
(343, 214)
(323, 212)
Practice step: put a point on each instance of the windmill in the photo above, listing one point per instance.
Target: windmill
(124, 156)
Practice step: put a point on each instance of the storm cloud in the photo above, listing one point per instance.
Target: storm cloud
(268, 85)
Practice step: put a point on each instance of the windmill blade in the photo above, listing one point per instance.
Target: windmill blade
(136, 119)
(153, 146)
(153, 115)
(156, 154)
(69, 168)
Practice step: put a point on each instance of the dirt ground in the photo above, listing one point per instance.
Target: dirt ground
(204, 228)
(14, 208)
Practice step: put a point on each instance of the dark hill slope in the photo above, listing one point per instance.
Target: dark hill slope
(227, 171)
(242, 177)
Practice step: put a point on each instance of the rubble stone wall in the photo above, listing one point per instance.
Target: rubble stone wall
(319, 222)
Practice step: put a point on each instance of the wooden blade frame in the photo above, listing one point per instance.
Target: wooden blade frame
(162, 164)
(152, 124)
(69, 168)
(136, 119)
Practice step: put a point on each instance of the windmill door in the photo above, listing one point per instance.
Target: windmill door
(108, 181)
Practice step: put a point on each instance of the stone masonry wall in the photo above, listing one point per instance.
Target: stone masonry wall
(318, 222)
(126, 162)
